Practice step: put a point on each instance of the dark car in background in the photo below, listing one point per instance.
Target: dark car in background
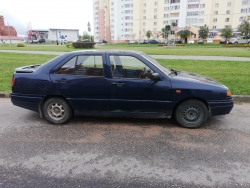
(153, 42)
(175, 41)
(143, 42)
(117, 83)
(223, 41)
(41, 41)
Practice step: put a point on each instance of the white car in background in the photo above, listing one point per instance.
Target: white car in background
(210, 41)
(191, 42)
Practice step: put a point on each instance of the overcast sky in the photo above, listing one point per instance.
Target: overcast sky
(45, 14)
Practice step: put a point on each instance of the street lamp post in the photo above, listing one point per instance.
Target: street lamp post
(8, 29)
(109, 25)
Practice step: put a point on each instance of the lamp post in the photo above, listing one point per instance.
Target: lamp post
(8, 29)
(89, 29)
(109, 25)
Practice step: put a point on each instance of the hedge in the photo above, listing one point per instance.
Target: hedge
(83, 44)
(171, 45)
(236, 45)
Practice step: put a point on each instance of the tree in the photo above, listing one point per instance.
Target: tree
(148, 34)
(227, 32)
(203, 32)
(244, 28)
(165, 31)
(174, 24)
(184, 33)
(85, 35)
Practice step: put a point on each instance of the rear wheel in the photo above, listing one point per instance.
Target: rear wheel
(191, 113)
(57, 110)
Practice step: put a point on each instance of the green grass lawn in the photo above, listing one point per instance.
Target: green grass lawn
(234, 75)
(152, 49)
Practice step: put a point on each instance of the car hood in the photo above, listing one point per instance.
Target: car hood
(197, 78)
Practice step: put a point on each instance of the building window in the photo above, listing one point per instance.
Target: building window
(155, 17)
(144, 11)
(227, 20)
(155, 23)
(229, 4)
(191, 6)
(166, 1)
(144, 4)
(216, 5)
(175, 1)
(177, 7)
(201, 13)
(144, 17)
(243, 10)
(166, 8)
(155, 3)
(245, 2)
(165, 22)
(166, 15)
(202, 5)
(144, 23)
(241, 19)
(155, 10)
(192, 13)
(215, 12)
(214, 27)
(228, 12)
(201, 20)
(215, 20)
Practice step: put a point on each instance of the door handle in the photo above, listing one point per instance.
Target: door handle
(118, 83)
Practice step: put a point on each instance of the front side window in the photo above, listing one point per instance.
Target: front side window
(129, 67)
(83, 65)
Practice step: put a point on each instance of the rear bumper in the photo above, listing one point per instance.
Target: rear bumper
(221, 107)
(26, 101)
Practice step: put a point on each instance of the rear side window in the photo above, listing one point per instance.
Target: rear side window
(84, 65)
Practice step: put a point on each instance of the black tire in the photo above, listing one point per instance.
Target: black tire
(249, 42)
(236, 43)
(191, 113)
(57, 110)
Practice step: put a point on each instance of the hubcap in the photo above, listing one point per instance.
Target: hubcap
(56, 111)
(191, 114)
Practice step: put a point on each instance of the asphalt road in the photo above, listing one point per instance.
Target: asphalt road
(119, 152)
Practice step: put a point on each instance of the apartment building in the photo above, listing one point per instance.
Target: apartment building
(123, 20)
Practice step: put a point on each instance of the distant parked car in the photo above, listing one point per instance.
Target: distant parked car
(33, 41)
(191, 42)
(243, 40)
(175, 41)
(133, 42)
(153, 42)
(143, 42)
(210, 41)
(41, 40)
(232, 41)
(223, 41)
(200, 41)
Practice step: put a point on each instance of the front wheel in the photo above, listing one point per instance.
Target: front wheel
(191, 113)
(57, 110)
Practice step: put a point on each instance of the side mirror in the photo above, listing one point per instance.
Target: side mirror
(155, 76)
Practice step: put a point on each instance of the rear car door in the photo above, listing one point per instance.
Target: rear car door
(81, 80)
(131, 90)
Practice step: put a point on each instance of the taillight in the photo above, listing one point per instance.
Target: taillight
(12, 81)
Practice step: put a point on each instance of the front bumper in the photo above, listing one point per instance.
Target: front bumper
(26, 101)
(221, 107)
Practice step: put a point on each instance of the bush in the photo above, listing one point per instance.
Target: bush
(20, 45)
(83, 44)
(172, 45)
(69, 45)
(236, 45)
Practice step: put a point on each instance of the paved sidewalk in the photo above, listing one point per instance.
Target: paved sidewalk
(221, 58)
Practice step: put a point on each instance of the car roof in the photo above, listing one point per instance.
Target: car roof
(125, 52)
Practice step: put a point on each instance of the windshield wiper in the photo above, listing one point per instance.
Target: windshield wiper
(174, 71)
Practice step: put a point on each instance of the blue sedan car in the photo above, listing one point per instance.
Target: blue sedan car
(117, 83)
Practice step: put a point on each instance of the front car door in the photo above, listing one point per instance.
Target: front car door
(81, 80)
(130, 88)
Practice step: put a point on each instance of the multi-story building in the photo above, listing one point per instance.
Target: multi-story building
(123, 20)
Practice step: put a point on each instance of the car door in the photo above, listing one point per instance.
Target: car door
(130, 88)
(81, 80)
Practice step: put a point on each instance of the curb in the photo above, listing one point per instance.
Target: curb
(237, 98)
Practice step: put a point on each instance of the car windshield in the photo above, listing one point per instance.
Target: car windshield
(158, 65)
